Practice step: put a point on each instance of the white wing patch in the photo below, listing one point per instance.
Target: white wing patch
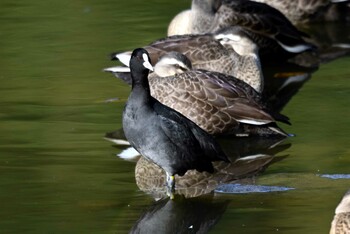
(118, 141)
(129, 153)
(231, 37)
(253, 157)
(253, 122)
(124, 58)
(294, 49)
(117, 69)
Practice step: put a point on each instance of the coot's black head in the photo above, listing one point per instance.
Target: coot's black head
(140, 61)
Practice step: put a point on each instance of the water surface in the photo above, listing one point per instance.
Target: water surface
(58, 174)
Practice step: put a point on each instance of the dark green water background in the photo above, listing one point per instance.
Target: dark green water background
(58, 174)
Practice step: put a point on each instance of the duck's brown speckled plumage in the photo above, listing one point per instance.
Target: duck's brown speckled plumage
(258, 18)
(220, 104)
(306, 11)
(341, 224)
(341, 220)
(205, 52)
(216, 102)
(200, 49)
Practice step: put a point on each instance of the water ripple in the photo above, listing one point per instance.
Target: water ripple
(239, 188)
(335, 176)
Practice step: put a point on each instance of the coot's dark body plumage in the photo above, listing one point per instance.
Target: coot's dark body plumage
(160, 133)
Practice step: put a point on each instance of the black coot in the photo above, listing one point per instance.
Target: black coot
(162, 134)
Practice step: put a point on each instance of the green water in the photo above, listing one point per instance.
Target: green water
(58, 174)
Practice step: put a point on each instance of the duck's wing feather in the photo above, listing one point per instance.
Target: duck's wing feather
(198, 48)
(250, 96)
(259, 18)
(209, 94)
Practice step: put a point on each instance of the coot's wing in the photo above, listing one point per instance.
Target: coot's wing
(188, 136)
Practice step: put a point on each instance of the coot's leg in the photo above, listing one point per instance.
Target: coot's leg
(170, 185)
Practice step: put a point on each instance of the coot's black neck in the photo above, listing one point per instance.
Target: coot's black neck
(140, 86)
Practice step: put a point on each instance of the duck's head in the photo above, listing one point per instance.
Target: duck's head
(237, 39)
(172, 63)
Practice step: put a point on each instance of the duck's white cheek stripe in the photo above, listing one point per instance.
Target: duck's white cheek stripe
(232, 37)
(173, 61)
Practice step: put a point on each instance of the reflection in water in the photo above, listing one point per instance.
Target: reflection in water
(284, 79)
(341, 220)
(235, 147)
(58, 175)
(190, 213)
(249, 157)
(282, 82)
(180, 216)
(332, 41)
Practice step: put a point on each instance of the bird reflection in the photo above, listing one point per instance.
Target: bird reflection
(248, 156)
(281, 85)
(341, 220)
(284, 79)
(332, 40)
(181, 216)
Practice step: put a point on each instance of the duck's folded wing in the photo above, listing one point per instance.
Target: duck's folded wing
(248, 114)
